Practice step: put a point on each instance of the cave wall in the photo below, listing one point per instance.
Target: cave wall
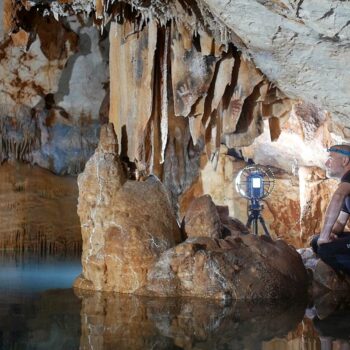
(183, 91)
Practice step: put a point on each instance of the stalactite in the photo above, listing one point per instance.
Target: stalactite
(164, 87)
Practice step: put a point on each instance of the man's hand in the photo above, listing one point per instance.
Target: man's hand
(331, 238)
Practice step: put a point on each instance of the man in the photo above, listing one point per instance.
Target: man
(332, 245)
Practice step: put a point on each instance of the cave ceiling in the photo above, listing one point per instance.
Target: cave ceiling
(300, 46)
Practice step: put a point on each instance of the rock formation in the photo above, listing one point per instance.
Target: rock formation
(126, 225)
(129, 236)
(204, 219)
(246, 267)
(38, 210)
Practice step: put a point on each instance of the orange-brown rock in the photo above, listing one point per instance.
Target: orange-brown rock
(281, 209)
(205, 219)
(202, 219)
(38, 210)
(246, 267)
(315, 194)
(125, 224)
(231, 226)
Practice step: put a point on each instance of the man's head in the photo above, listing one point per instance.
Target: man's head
(338, 162)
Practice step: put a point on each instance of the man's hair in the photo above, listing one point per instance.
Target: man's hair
(343, 149)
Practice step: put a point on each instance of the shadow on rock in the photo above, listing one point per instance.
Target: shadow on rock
(111, 320)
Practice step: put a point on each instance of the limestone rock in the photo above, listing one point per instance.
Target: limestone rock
(231, 226)
(281, 209)
(48, 139)
(248, 267)
(125, 224)
(202, 219)
(131, 60)
(315, 193)
(48, 50)
(303, 136)
(38, 210)
(301, 47)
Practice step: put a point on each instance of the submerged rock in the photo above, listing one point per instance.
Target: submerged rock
(126, 225)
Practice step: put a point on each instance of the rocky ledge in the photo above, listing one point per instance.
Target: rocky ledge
(133, 244)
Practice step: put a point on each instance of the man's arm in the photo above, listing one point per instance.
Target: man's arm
(340, 223)
(333, 211)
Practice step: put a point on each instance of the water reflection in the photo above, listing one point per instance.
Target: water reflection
(130, 322)
(35, 315)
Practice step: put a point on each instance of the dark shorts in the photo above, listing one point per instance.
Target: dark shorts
(336, 253)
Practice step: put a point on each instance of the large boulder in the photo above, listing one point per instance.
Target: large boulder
(204, 219)
(246, 267)
(126, 225)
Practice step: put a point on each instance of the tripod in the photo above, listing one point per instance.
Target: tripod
(254, 215)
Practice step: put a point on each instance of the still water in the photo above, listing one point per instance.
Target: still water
(39, 310)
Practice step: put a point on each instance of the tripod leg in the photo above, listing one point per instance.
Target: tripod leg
(255, 226)
(262, 221)
(250, 219)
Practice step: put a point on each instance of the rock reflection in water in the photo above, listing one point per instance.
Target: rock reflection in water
(115, 321)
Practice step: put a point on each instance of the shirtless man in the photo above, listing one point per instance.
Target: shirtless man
(332, 245)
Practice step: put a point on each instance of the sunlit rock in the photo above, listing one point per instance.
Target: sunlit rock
(246, 267)
(38, 210)
(125, 224)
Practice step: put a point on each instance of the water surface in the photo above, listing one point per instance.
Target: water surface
(40, 310)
